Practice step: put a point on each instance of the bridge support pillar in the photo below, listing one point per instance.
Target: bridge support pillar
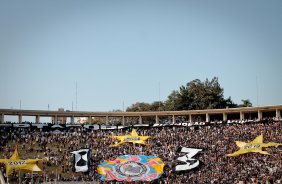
(278, 114)
(207, 117)
(107, 120)
(123, 120)
(2, 118)
(20, 118)
(190, 118)
(242, 115)
(140, 120)
(37, 118)
(173, 119)
(55, 119)
(224, 116)
(157, 119)
(259, 115)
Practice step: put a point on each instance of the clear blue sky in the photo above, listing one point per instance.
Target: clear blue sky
(125, 51)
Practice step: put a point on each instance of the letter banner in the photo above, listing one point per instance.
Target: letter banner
(81, 159)
(131, 168)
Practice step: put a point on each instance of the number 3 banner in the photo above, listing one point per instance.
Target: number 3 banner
(190, 163)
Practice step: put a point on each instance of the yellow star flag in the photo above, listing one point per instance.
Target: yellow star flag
(254, 146)
(15, 163)
(133, 137)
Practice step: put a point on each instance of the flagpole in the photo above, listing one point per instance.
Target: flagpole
(31, 177)
(44, 177)
(56, 175)
(2, 178)
(19, 176)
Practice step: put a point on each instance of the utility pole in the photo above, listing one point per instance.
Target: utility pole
(159, 96)
(76, 96)
(257, 90)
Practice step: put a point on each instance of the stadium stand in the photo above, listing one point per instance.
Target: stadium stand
(215, 139)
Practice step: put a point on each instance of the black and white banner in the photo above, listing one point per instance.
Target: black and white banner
(190, 163)
(81, 160)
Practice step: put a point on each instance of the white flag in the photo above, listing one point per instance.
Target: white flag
(81, 160)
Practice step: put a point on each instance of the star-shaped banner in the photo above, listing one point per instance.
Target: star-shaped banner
(254, 146)
(15, 163)
(133, 137)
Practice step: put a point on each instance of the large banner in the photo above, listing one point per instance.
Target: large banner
(133, 138)
(65, 127)
(187, 160)
(131, 168)
(16, 163)
(254, 146)
(81, 160)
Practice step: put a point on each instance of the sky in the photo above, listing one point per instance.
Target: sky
(106, 55)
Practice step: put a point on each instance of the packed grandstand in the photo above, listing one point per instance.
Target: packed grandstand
(166, 142)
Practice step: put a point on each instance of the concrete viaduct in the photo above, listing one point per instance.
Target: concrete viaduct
(207, 115)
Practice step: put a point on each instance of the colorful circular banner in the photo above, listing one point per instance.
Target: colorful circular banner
(131, 168)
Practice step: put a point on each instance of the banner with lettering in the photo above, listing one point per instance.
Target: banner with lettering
(255, 145)
(15, 163)
(133, 138)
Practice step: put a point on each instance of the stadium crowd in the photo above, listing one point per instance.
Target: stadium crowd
(215, 167)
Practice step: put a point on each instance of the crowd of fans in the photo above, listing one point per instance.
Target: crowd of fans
(215, 166)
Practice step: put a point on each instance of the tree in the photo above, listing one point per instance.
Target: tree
(157, 106)
(198, 95)
(195, 95)
(172, 101)
(138, 107)
(229, 103)
(246, 103)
